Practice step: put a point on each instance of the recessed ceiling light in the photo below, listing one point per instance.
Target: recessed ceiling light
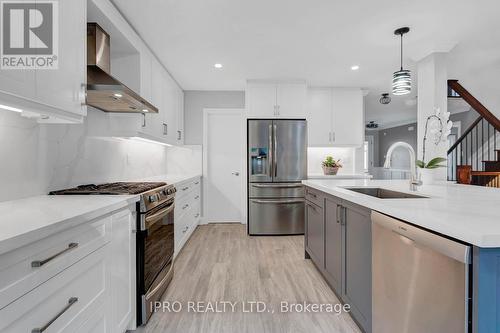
(354, 67)
(218, 66)
(117, 95)
(10, 108)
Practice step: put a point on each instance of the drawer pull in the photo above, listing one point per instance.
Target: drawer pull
(40, 263)
(196, 183)
(185, 188)
(185, 230)
(71, 301)
(197, 197)
(312, 194)
(197, 215)
(185, 206)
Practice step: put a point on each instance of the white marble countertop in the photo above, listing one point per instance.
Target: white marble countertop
(27, 220)
(340, 176)
(464, 212)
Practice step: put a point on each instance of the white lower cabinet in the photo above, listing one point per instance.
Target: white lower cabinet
(78, 280)
(63, 303)
(187, 211)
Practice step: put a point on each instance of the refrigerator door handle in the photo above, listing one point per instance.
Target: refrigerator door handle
(270, 162)
(286, 201)
(278, 185)
(275, 150)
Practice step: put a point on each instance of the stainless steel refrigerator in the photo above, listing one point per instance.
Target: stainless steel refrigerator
(277, 162)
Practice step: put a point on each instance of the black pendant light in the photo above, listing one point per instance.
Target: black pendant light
(401, 80)
(385, 99)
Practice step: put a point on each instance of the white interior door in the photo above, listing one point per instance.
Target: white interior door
(222, 165)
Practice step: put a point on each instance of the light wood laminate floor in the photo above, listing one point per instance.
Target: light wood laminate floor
(221, 263)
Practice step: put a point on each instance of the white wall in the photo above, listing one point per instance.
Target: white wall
(196, 101)
(39, 158)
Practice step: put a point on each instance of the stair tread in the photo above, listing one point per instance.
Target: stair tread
(485, 173)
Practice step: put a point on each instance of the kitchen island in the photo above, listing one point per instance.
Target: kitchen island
(465, 214)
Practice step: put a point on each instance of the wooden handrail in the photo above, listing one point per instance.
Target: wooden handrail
(467, 131)
(475, 104)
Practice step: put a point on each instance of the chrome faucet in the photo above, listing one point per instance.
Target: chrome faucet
(414, 179)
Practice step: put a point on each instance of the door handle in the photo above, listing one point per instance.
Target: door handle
(277, 185)
(270, 145)
(291, 201)
(236, 173)
(275, 151)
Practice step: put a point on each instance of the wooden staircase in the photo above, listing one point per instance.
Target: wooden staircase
(491, 175)
(475, 157)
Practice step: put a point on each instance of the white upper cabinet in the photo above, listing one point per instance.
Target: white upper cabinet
(54, 95)
(335, 117)
(319, 116)
(348, 115)
(261, 99)
(275, 100)
(63, 88)
(291, 100)
(180, 117)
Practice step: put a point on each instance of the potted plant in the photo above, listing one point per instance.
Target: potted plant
(331, 166)
(426, 170)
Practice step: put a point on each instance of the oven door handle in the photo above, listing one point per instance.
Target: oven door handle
(152, 219)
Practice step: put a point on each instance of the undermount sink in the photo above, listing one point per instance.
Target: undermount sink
(382, 193)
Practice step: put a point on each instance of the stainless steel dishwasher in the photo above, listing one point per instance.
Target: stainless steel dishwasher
(420, 280)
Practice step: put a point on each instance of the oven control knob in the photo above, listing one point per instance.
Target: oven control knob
(153, 198)
(165, 192)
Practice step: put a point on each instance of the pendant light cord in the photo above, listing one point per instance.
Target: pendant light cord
(401, 51)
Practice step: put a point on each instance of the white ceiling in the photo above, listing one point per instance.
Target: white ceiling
(315, 40)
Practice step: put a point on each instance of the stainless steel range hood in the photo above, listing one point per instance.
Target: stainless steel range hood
(103, 90)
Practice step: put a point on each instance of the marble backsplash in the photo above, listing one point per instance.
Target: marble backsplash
(39, 158)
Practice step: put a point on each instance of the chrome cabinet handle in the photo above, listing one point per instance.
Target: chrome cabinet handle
(40, 263)
(165, 129)
(185, 229)
(185, 188)
(197, 215)
(236, 173)
(196, 197)
(339, 207)
(196, 183)
(185, 206)
(333, 136)
(179, 135)
(71, 302)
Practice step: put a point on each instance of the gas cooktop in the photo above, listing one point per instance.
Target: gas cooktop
(111, 188)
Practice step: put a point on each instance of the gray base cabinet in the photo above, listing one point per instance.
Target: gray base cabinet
(333, 243)
(315, 229)
(357, 289)
(338, 241)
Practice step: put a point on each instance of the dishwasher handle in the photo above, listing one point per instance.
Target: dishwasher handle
(445, 246)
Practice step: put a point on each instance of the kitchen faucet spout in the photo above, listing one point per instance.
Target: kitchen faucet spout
(414, 179)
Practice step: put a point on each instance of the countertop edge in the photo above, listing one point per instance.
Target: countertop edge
(37, 234)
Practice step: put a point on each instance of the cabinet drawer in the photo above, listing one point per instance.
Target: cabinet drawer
(184, 188)
(315, 197)
(186, 203)
(185, 226)
(63, 303)
(25, 268)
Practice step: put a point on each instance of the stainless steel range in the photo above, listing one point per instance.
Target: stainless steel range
(154, 236)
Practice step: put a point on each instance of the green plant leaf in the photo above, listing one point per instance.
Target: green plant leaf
(420, 164)
(434, 163)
